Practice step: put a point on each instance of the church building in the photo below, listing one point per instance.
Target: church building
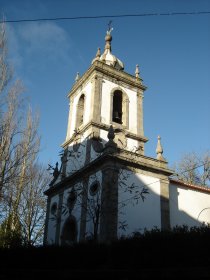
(106, 187)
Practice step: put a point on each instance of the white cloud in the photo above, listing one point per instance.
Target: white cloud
(44, 39)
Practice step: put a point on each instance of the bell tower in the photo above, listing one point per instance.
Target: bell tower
(106, 95)
(103, 169)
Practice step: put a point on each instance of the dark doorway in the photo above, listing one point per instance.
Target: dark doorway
(69, 232)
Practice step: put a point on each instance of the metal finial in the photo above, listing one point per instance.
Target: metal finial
(109, 27)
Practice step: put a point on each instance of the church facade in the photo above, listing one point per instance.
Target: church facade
(106, 186)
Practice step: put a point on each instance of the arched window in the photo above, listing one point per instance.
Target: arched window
(69, 232)
(117, 107)
(80, 111)
(120, 107)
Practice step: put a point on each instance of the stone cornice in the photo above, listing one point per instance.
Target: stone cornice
(105, 127)
(144, 162)
(104, 69)
(126, 158)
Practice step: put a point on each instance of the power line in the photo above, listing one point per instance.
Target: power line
(187, 170)
(191, 169)
(108, 16)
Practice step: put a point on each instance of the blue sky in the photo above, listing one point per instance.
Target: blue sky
(173, 53)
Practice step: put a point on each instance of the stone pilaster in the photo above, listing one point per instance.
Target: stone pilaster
(164, 204)
(70, 120)
(140, 127)
(125, 109)
(83, 219)
(96, 98)
(111, 106)
(109, 204)
(88, 152)
(58, 221)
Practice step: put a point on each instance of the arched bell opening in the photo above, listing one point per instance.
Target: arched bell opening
(80, 111)
(117, 107)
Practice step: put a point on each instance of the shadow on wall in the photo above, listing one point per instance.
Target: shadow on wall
(103, 192)
(189, 206)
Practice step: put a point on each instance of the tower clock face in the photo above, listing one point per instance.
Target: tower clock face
(121, 140)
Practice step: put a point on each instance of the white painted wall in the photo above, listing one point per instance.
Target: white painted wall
(188, 206)
(75, 100)
(76, 159)
(107, 87)
(141, 215)
(132, 144)
(103, 135)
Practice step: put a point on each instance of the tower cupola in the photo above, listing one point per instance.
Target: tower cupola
(107, 57)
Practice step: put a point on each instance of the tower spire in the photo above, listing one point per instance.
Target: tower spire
(137, 72)
(97, 57)
(159, 150)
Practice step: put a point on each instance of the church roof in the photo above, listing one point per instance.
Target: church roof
(107, 57)
(190, 186)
